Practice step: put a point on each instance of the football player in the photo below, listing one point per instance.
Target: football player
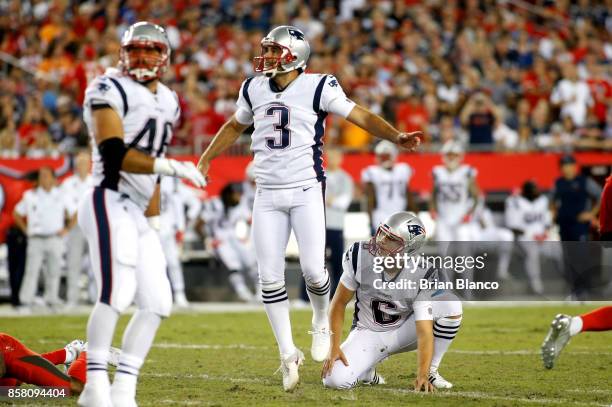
(18, 365)
(455, 194)
(564, 327)
(175, 196)
(528, 216)
(389, 320)
(287, 108)
(130, 115)
(386, 184)
(221, 217)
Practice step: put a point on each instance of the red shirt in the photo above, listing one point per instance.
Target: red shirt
(605, 210)
(601, 90)
(411, 117)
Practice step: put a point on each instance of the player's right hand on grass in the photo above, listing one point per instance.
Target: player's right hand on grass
(179, 169)
(421, 383)
(328, 364)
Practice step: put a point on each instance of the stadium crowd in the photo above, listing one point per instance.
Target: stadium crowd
(509, 76)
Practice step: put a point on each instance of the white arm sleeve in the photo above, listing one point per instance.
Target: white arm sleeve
(21, 207)
(244, 112)
(333, 98)
(104, 90)
(348, 271)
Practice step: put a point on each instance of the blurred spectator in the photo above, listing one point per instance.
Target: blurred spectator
(572, 95)
(42, 214)
(479, 117)
(536, 68)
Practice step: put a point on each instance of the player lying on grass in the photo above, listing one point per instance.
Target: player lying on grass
(563, 327)
(18, 365)
(388, 321)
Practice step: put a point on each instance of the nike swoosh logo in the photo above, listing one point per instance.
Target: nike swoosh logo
(306, 189)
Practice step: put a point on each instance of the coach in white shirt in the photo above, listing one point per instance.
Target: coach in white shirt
(43, 216)
(73, 189)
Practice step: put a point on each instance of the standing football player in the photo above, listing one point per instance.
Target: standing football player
(455, 195)
(130, 115)
(528, 216)
(288, 109)
(389, 320)
(386, 184)
(175, 197)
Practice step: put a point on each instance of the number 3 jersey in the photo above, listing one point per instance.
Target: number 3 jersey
(452, 192)
(383, 308)
(147, 118)
(289, 126)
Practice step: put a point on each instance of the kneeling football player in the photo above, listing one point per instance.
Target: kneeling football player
(389, 320)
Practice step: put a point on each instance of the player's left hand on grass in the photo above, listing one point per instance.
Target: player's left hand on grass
(421, 383)
(409, 141)
(328, 364)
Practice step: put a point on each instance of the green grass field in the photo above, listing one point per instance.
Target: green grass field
(229, 360)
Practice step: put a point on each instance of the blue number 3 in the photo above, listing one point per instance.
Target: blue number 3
(281, 126)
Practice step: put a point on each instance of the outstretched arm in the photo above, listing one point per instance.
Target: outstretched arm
(225, 137)
(425, 345)
(337, 309)
(379, 127)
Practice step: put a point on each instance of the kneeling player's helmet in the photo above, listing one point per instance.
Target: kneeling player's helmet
(402, 232)
(294, 48)
(145, 52)
(386, 153)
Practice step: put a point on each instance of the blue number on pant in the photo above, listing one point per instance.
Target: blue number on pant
(281, 126)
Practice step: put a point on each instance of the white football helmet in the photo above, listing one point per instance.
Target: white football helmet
(386, 153)
(136, 58)
(402, 232)
(295, 51)
(452, 154)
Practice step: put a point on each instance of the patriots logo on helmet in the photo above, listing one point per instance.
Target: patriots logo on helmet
(416, 230)
(333, 83)
(297, 34)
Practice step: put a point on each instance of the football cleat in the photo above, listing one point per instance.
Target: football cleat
(123, 397)
(374, 379)
(73, 350)
(95, 396)
(557, 338)
(289, 368)
(438, 381)
(320, 343)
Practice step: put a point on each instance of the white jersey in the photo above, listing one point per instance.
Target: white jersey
(176, 197)
(148, 119)
(221, 224)
(74, 188)
(289, 126)
(452, 192)
(531, 217)
(383, 309)
(390, 189)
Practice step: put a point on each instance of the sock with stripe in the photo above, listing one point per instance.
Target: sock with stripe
(319, 299)
(137, 340)
(100, 331)
(445, 330)
(276, 304)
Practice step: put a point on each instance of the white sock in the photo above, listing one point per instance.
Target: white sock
(445, 329)
(276, 304)
(137, 340)
(575, 326)
(100, 330)
(319, 299)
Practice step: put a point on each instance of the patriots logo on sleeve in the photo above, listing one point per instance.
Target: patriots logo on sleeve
(103, 87)
(297, 34)
(416, 230)
(333, 83)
